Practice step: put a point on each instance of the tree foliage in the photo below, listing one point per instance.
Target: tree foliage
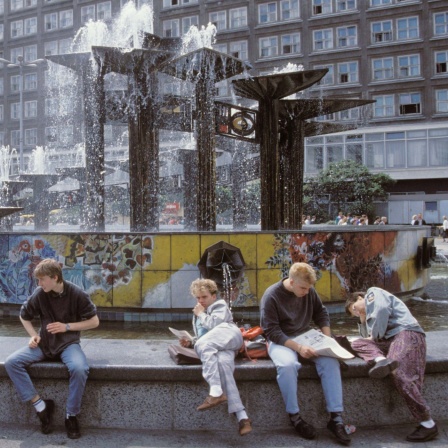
(350, 186)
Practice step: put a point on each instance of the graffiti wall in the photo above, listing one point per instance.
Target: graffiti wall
(155, 270)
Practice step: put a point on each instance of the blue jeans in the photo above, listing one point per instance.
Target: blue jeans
(287, 363)
(73, 357)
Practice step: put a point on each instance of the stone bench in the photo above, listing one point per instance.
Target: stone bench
(135, 384)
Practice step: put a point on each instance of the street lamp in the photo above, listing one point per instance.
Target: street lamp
(21, 64)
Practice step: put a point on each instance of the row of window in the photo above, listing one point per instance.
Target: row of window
(57, 20)
(390, 150)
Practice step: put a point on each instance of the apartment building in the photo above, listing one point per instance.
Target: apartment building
(392, 51)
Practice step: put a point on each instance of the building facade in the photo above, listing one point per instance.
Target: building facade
(392, 51)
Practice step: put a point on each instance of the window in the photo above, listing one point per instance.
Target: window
(188, 22)
(290, 43)
(409, 66)
(87, 13)
(438, 147)
(441, 62)
(30, 81)
(171, 28)
(348, 72)
(384, 106)
(2, 90)
(15, 111)
(30, 53)
(1, 112)
(347, 36)
(15, 53)
(239, 50)
(345, 5)
(65, 46)
(66, 135)
(31, 137)
(16, 5)
(323, 39)
(407, 28)
(17, 29)
(328, 79)
(30, 3)
(51, 107)
(104, 11)
(267, 12)
(219, 19)
(442, 101)
(66, 18)
(441, 23)
(2, 31)
(30, 109)
(322, 7)
(383, 69)
(410, 103)
(334, 154)
(268, 47)
(51, 48)
(30, 26)
(222, 48)
(15, 139)
(354, 152)
(381, 32)
(417, 153)
(238, 17)
(314, 158)
(289, 9)
(51, 21)
(221, 88)
(15, 83)
(51, 134)
(380, 2)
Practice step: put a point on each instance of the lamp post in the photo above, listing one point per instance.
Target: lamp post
(21, 64)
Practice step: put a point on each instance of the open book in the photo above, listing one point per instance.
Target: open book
(324, 345)
(181, 334)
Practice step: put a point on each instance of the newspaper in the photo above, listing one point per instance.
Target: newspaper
(324, 345)
(181, 334)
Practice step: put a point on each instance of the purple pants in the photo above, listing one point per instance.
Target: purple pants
(409, 349)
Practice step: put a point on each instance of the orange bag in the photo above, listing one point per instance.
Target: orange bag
(254, 345)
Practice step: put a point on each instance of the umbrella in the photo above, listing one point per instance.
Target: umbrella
(220, 261)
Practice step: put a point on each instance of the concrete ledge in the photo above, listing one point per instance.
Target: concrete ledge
(135, 384)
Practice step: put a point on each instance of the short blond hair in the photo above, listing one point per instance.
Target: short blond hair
(203, 284)
(48, 267)
(304, 272)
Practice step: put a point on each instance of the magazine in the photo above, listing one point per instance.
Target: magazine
(181, 334)
(324, 345)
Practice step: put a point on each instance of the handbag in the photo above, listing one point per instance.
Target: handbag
(254, 345)
(183, 355)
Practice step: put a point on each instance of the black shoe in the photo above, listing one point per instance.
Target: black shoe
(72, 427)
(304, 429)
(382, 368)
(338, 430)
(422, 434)
(46, 417)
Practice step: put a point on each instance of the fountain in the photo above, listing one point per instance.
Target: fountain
(146, 269)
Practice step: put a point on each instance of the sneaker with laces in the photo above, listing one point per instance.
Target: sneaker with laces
(338, 430)
(46, 417)
(422, 434)
(304, 429)
(382, 368)
(244, 426)
(72, 427)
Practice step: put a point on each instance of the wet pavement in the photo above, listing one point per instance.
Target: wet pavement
(17, 436)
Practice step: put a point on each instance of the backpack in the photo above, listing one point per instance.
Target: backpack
(254, 345)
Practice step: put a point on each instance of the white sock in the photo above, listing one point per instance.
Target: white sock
(39, 405)
(428, 423)
(216, 391)
(240, 415)
(379, 358)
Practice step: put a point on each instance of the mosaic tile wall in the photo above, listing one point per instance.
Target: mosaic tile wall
(139, 271)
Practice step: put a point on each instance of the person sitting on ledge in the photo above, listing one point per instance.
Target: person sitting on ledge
(64, 310)
(286, 311)
(394, 343)
(217, 342)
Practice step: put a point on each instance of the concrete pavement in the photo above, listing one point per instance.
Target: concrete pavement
(19, 436)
